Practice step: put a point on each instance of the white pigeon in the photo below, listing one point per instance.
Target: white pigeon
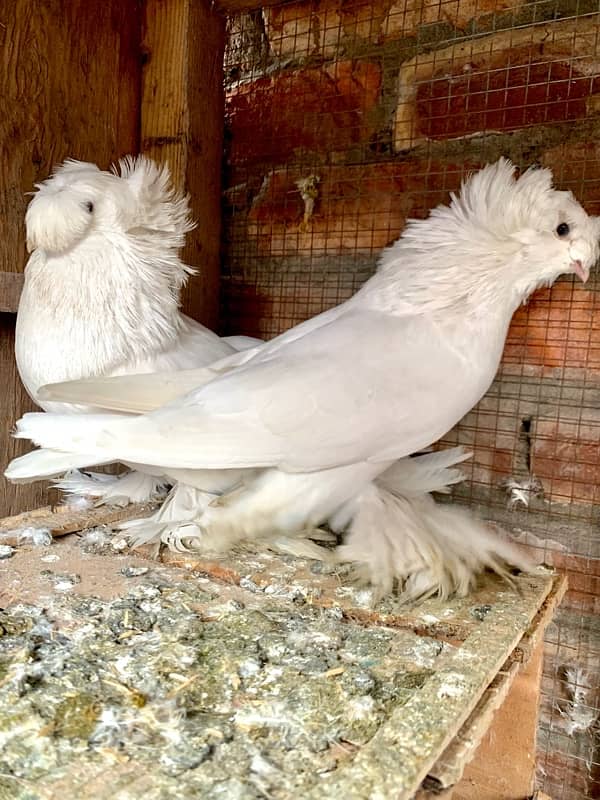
(102, 288)
(310, 425)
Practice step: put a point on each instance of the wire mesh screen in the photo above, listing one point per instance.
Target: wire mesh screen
(343, 119)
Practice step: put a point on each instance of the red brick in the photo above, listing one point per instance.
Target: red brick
(320, 110)
(558, 328)
(504, 82)
(359, 208)
(318, 28)
(303, 29)
(576, 166)
(565, 456)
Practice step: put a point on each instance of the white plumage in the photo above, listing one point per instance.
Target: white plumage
(102, 287)
(310, 424)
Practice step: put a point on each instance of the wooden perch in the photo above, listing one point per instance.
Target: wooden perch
(61, 520)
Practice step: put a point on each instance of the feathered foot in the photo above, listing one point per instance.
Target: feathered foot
(117, 490)
(181, 524)
(174, 522)
(424, 548)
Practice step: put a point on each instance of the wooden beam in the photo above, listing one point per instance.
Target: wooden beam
(70, 85)
(69, 79)
(237, 6)
(11, 284)
(182, 124)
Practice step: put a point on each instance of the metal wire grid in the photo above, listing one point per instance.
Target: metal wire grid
(330, 148)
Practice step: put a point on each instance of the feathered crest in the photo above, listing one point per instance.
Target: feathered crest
(55, 219)
(71, 167)
(162, 207)
(497, 201)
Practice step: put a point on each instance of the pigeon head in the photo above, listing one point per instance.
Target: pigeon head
(548, 231)
(500, 238)
(134, 200)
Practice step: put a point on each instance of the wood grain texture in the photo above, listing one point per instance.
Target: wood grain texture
(235, 6)
(14, 402)
(182, 124)
(69, 79)
(70, 85)
(11, 284)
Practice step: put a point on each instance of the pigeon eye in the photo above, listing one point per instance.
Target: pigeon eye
(89, 206)
(563, 229)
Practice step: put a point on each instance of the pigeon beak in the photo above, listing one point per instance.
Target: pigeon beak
(583, 273)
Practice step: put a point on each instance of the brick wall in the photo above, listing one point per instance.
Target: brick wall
(343, 119)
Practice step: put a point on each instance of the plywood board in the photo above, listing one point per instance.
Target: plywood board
(433, 662)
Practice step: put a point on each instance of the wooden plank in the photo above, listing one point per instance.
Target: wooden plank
(69, 79)
(11, 284)
(417, 733)
(62, 519)
(14, 402)
(182, 123)
(504, 765)
(496, 705)
(70, 84)
(412, 729)
(237, 6)
(438, 734)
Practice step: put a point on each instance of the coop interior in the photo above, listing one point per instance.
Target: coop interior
(307, 133)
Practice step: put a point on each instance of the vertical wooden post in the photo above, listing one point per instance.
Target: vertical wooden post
(182, 124)
(70, 82)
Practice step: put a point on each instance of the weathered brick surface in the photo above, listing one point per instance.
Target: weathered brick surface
(558, 328)
(321, 28)
(358, 208)
(576, 166)
(321, 110)
(566, 457)
(509, 80)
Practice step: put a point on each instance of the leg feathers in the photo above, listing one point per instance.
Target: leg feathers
(422, 547)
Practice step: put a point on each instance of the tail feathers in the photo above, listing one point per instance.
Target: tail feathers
(132, 487)
(47, 464)
(431, 472)
(55, 430)
(425, 548)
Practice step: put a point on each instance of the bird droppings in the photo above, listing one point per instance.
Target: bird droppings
(37, 537)
(480, 612)
(134, 572)
(453, 686)
(61, 581)
(6, 551)
(177, 684)
(50, 558)
(218, 699)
